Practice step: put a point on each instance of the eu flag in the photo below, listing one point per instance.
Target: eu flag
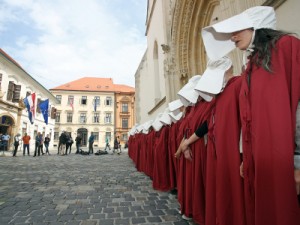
(44, 106)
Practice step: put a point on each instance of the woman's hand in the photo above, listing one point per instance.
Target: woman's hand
(297, 179)
(188, 154)
(242, 170)
(178, 152)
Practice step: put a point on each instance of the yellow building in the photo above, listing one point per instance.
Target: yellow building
(125, 111)
(88, 107)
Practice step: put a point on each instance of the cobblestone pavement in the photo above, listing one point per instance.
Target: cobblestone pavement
(83, 190)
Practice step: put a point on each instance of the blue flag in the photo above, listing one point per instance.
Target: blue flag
(44, 106)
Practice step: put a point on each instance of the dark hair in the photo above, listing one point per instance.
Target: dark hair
(264, 42)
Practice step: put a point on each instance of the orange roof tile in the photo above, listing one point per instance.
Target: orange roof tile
(94, 84)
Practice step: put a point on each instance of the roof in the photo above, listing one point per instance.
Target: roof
(9, 58)
(94, 84)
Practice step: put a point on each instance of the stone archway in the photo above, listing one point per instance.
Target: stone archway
(7, 123)
(190, 16)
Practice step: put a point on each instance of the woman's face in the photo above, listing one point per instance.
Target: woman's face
(242, 38)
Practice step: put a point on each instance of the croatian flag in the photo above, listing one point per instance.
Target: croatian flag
(29, 102)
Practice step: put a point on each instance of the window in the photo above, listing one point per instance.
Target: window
(0, 80)
(69, 117)
(70, 100)
(57, 117)
(124, 122)
(83, 100)
(82, 118)
(97, 100)
(96, 135)
(58, 98)
(108, 136)
(124, 137)
(16, 93)
(13, 92)
(53, 113)
(96, 118)
(56, 136)
(108, 101)
(125, 107)
(107, 118)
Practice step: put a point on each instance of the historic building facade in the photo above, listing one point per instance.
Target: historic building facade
(124, 111)
(87, 106)
(175, 50)
(15, 85)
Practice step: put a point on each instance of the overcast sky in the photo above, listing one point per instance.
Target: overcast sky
(57, 41)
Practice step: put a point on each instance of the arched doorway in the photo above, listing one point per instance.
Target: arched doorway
(6, 127)
(83, 133)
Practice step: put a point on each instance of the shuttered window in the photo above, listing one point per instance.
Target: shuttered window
(10, 91)
(16, 93)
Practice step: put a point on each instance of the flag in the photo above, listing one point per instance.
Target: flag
(29, 102)
(71, 104)
(95, 105)
(44, 107)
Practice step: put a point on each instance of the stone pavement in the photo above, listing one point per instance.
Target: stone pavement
(80, 190)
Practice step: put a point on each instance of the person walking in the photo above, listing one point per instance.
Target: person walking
(69, 144)
(46, 143)
(16, 144)
(26, 141)
(63, 141)
(119, 145)
(5, 140)
(78, 140)
(116, 145)
(107, 144)
(91, 142)
(38, 144)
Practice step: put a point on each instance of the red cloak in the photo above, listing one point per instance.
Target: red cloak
(268, 112)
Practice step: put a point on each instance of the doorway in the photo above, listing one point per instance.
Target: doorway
(83, 133)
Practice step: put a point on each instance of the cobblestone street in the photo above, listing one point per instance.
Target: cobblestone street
(83, 190)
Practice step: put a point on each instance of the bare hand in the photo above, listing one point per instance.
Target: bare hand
(188, 154)
(297, 179)
(178, 152)
(242, 170)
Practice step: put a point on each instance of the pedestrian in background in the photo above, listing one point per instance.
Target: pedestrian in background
(38, 144)
(91, 143)
(78, 140)
(63, 141)
(16, 144)
(5, 140)
(107, 144)
(69, 143)
(46, 143)
(26, 141)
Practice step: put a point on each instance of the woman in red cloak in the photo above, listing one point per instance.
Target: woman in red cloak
(268, 99)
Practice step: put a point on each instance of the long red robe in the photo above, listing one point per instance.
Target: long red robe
(224, 185)
(161, 178)
(173, 146)
(200, 114)
(268, 113)
(184, 179)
